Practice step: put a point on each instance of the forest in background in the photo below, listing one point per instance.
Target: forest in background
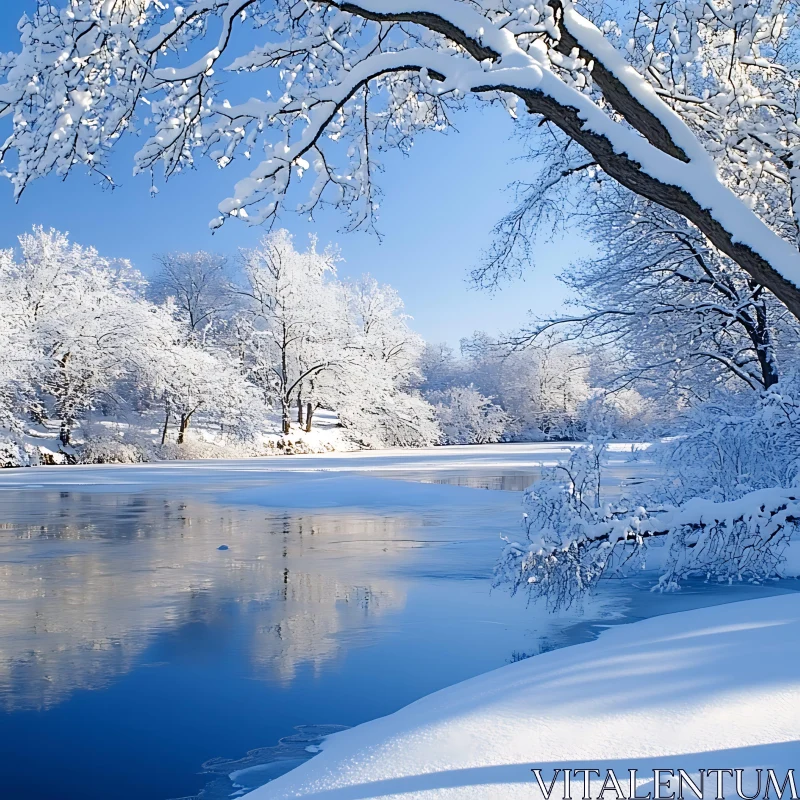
(268, 353)
(271, 352)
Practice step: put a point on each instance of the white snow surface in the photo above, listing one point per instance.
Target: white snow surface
(711, 688)
(136, 477)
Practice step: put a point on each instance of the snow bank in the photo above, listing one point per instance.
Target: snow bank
(138, 477)
(712, 688)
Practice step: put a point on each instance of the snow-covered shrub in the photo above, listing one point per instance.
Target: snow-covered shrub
(624, 414)
(388, 419)
(15, 452)
(467, 417)
(726, 509)
(734, 444)
(109, 449)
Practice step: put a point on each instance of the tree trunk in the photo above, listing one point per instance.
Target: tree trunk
(184, 426)
(300, 410)
(166, 426)
(309, 415)
(285, 399)
(67, 421)
(765, 350)
(65, 433)
(286, 427)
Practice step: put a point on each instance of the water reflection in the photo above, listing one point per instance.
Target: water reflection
(507, 481)
(133, 650)
(84, 589)
(622, 474)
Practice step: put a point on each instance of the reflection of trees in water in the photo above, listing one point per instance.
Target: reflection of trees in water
(316, 608)
(508, 481)
(87, 581)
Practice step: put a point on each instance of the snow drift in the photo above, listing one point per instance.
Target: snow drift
(717, 687)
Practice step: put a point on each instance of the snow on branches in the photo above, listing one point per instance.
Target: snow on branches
(468, 417)
(86, 353)
(691, 105)
(572, 541)
(675, 312)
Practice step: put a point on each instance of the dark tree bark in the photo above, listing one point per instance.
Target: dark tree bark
(309, 415)
(629, 173)
(184, 426)
(65, 409)
(65, 432)
(166, 425)
(619, 166)
(762, 339)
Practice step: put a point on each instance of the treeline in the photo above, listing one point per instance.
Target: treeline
(99, 364)
(93, 355)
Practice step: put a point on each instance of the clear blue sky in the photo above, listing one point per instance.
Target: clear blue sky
(436, 216)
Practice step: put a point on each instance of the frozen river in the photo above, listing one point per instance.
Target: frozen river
(134, 650)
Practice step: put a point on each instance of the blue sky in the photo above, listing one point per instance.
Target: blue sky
(438, 209)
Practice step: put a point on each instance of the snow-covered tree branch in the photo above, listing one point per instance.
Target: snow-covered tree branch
(722, 510)
(690, 106)
(682, 316)
(730, 541)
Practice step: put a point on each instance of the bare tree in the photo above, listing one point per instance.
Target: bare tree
(199, 283)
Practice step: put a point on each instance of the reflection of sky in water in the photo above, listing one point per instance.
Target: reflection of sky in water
(84, 590)
(132, 650)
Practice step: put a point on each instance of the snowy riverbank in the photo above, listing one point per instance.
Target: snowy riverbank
(711, 688)
(435, 462)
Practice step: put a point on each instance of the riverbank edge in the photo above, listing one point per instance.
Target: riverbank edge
(714, 687)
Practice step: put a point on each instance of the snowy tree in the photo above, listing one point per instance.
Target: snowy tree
(82, 347)
(189, 381)
(382, 352)
(371, 383)
(294, 325)
(467, 417)
(732, 444)
(381, 416)
(678, 315)
(199, 283)
(310, 341)
(439, 368)
(19, 358)
(541, 387)
(690, 106)
(377, 313)
(86, 319)
(622, 414)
